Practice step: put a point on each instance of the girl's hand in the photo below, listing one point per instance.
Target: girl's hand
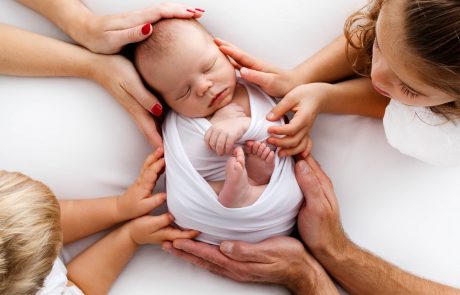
(119, 77)
(108, 34)
(305, 100)
(150, 229)
(273, 80)
(138, 199)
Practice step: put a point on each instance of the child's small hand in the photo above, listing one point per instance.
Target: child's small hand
(305, 100)
(151, 229)
(222, 136)
(138, 200)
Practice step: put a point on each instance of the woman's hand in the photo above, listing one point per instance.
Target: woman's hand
(119, 77)
(319, 220)
(138, 199)
(306, 101)
(278, 260)
(273, 80)
(109, 33)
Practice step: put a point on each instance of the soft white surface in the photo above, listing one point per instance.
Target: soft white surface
(70, 134)
(56, 282)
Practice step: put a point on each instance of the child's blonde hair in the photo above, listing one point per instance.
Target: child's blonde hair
(30, 233)
(432, 34)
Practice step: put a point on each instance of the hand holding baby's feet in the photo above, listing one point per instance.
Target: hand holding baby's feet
(222, 136)
(151, 229)
(138, 200)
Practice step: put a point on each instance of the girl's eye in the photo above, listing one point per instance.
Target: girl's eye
(409, 93)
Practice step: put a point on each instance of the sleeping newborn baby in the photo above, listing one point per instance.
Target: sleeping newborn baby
(213, 184)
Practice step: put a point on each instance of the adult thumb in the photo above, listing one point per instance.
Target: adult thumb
(244, 252)
(308, 182)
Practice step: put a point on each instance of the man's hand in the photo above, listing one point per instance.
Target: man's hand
(277, 260)
(319, 220)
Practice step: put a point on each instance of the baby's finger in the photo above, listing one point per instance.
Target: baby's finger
(213, 139)
(221, 143)
(229, 145)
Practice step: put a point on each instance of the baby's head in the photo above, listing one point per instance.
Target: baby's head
(411, 50)
(30, 233)
(183, 65)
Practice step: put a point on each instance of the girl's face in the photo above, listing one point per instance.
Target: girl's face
(393, 65)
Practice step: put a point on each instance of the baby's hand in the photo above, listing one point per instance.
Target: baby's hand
(230, 111)
(222, 136)
(138, 200)
(305, 100)
(151, 229)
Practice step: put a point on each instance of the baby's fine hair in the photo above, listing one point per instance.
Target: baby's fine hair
(30, 233)
(161, 43)
(432, 34)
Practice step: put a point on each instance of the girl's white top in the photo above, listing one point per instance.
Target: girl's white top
(56, 282)
(422, 134)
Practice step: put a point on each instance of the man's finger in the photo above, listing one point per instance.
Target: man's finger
(244, 252)
(308, 182)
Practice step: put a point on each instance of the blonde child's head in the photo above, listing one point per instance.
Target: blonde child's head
(411, 51)
(30, 233)
(184, 66)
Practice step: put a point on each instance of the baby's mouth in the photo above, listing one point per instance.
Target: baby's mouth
(218, 97)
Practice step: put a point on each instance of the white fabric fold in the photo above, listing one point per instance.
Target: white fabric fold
(194, 203)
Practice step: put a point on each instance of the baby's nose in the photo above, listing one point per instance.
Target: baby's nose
(204, 86)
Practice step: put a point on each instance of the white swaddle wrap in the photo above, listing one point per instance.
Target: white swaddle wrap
(194, 204)
(422, 134)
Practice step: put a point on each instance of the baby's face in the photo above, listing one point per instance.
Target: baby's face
(195, 78)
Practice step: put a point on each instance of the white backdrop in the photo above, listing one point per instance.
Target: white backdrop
(72, 135)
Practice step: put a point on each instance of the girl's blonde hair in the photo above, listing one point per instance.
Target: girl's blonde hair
(30, 233)
(432, 34)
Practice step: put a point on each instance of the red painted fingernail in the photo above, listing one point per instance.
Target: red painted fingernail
(146, 29)
(156, 110)
(199, 9)
(190, 10)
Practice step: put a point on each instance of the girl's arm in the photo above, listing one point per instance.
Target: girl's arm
(81, 218)
(328, 65)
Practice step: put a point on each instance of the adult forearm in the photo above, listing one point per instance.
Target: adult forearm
(360, 272)
(95, 269)
(81, 218)
(328, 65)
(68, 15)
(28, 54)
(355, 96)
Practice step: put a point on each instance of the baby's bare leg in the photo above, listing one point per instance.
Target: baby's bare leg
(237, 192)
(260, 162)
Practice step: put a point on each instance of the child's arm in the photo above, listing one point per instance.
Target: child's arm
(95, 269)
(81, 218)
(355, 96)
(328, 65)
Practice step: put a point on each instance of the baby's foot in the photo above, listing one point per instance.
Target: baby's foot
(260, 162)
(237, 192)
